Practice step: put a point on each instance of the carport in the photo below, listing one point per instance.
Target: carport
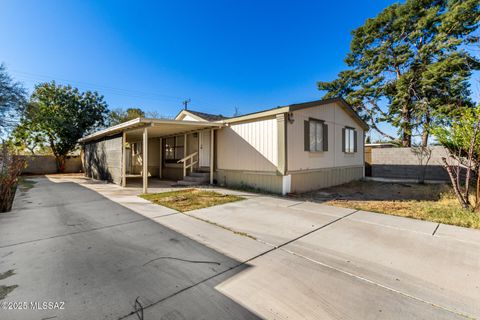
(150, 147)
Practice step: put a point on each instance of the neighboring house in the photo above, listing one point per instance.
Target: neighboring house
(294, 148)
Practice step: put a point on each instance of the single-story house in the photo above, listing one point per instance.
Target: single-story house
(293, 148)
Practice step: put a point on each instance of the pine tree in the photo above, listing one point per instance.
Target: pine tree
(408, 66)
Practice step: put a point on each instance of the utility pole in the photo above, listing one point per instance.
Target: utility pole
(185, 103)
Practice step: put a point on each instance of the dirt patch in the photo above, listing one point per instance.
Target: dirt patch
(372, 190)
(430, 202)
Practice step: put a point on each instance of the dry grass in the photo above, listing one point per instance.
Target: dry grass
(189, 199)
(434, 203)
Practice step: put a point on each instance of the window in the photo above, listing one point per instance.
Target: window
(174, 149)
(349, 140)
(137, 148)
(316, 135)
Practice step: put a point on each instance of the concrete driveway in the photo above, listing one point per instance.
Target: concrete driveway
(97, 247)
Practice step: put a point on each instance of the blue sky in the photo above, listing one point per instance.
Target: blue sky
(153, 55)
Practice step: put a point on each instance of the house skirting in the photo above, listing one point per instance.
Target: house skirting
(308, 180)
(260, 180)
(297, 181)
(173, 173)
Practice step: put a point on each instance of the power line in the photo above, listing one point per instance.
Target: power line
(114, 92)
(104, 88)
(125, 92)
(45, 76)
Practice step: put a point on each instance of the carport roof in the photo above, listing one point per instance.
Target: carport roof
(157, 128)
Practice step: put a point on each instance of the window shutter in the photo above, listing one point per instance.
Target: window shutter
(325, 137)
(306, 135)
(354, 140)
(343, 139)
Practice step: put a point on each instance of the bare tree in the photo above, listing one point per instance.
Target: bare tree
(423, 154)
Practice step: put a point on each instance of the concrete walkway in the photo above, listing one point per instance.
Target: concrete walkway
(97, 247)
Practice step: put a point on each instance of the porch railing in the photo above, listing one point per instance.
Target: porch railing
(188, 162)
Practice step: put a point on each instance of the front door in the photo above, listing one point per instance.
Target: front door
(204, 146)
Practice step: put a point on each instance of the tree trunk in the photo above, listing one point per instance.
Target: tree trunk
(406, 139)
(477, 193)
(456, 189)
(60, 160)
(426, 130)
(425, 135)
(406, 126)
(470, 156)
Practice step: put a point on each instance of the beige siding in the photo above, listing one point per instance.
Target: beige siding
(323, 178)
(269, 182)
(192, 143)
(189, 118)
(248, 146)
(336, 119)
(153, 158)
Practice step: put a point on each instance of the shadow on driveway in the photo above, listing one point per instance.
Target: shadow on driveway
(66, 243)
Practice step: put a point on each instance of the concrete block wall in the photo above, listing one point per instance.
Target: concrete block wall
(103, 159)
(402, 163)
(46, 164)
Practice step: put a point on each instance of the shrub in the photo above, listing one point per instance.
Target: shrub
(11, 166)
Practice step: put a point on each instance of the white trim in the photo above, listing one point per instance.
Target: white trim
(124, 159)
(135, 123)
(286, 184)
(160, 164)
(145, 161)
(256, 115)
(184, 113)
(211, 156)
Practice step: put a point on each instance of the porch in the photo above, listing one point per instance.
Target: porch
(155, 184)
(161, 152)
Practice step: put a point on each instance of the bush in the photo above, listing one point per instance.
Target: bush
(11, 166)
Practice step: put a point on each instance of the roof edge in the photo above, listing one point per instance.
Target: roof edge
(346, 106)
(298, 106)
(134, 124)
(190, 113)
(255, 115)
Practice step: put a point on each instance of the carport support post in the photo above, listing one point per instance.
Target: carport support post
(145, 160)
(211, 156)
(160, 159)
(184, 154)
(124, 159)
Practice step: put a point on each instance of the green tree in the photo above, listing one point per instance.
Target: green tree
(25, 137)
(118, 116)
(12, 100)
(461, 137)
(60, 115)
(410, 58)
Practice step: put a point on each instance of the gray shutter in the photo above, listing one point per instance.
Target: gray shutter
(306, 135)
(343, 139)
(354, 140)
(325, 137)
